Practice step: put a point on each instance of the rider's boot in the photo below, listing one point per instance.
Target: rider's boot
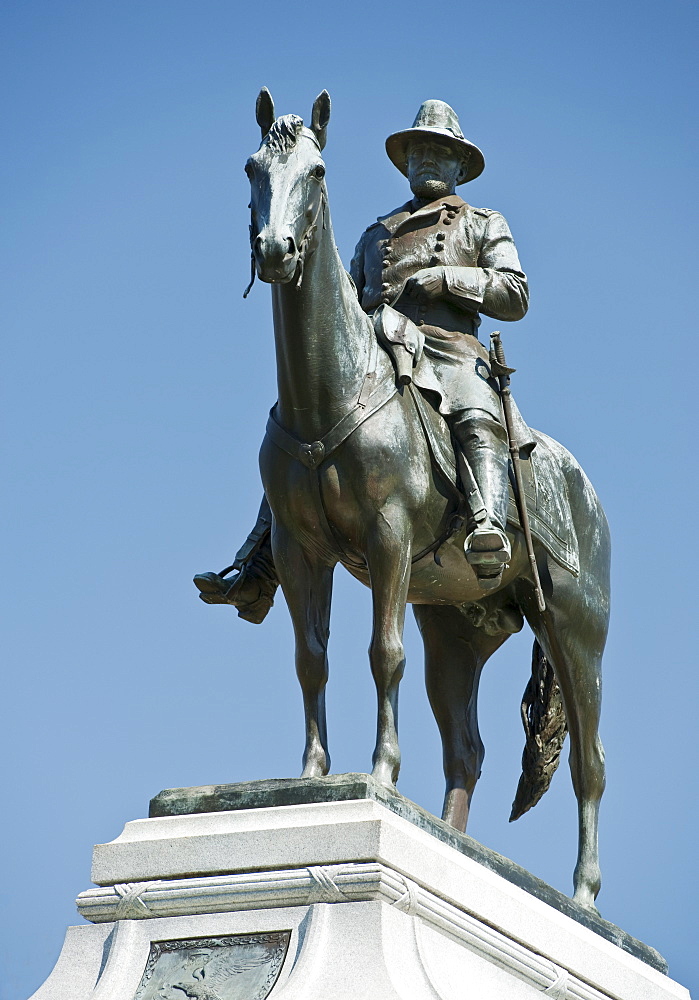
(252, 590)
(482, 441)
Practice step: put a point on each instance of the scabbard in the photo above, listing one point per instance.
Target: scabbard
(506, 398)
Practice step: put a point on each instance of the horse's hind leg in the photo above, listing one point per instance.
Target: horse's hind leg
(572, 633)
(307, 586)
(455, 652)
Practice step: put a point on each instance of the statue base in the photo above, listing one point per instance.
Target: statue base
(357, 894)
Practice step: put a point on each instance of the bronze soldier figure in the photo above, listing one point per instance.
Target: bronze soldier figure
(441, 263)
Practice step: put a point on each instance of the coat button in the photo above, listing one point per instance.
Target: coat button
(385, 286)
(439, 247)
(385, 263)
(434, 260)
(447, 221)
(441, 236)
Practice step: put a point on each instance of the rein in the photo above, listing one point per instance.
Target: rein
(310, 232)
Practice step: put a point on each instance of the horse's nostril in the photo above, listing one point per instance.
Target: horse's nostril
(274, 249)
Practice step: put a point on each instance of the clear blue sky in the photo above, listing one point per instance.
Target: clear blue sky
(136, 385)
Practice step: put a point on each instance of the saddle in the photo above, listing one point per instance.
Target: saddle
(545, 490)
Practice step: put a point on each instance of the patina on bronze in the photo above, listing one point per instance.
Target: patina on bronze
(358, 469)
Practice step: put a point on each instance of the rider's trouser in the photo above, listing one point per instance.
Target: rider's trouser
(258, 539)
(479, 436)
(255, 554)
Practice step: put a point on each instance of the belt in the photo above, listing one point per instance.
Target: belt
(440, 315)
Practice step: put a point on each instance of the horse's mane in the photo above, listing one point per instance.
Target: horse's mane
(283, 134)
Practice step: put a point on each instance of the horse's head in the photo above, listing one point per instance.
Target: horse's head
(288, 191)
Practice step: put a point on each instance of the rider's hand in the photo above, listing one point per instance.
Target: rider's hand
(426, 284)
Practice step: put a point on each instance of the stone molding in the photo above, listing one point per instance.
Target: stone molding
(356, 882)
(452, 865)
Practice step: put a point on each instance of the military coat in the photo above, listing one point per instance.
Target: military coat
(482, 274)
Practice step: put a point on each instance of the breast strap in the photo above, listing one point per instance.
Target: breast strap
(371, 398)
(313, 453)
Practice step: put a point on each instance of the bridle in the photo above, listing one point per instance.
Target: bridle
(309, 234)
(304, 244)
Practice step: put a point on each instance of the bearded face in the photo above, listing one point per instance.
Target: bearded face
(434, 169)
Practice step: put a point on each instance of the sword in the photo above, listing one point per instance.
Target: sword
(498, 367)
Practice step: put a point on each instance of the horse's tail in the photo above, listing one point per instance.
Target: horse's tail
(545, 727)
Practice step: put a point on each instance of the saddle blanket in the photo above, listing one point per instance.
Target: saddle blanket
(545, 486)
(548, 507)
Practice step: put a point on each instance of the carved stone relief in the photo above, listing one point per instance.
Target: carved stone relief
(240, 967)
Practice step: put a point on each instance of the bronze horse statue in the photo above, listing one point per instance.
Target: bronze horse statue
(350, 476)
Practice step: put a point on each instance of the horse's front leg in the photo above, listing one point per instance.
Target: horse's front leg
(307, 586)
(388, 557)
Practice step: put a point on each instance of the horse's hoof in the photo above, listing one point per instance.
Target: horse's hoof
(587, 904)
(316, 768)
(385, 775)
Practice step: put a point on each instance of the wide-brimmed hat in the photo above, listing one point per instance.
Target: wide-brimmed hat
(437, 121)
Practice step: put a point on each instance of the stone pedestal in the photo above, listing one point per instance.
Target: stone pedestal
(362, 897)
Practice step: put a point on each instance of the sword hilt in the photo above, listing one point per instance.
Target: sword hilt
(498, 365)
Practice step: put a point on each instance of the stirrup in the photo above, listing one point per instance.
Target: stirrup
(489, 582)
(488, 550)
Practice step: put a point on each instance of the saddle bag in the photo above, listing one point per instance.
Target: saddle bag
(401, 338)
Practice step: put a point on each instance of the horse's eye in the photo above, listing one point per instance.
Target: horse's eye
(319, 172)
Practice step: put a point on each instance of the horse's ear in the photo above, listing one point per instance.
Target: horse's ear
(320, 117)
(264, 111)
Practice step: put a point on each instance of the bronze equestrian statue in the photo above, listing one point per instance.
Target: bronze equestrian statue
(406, 473)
